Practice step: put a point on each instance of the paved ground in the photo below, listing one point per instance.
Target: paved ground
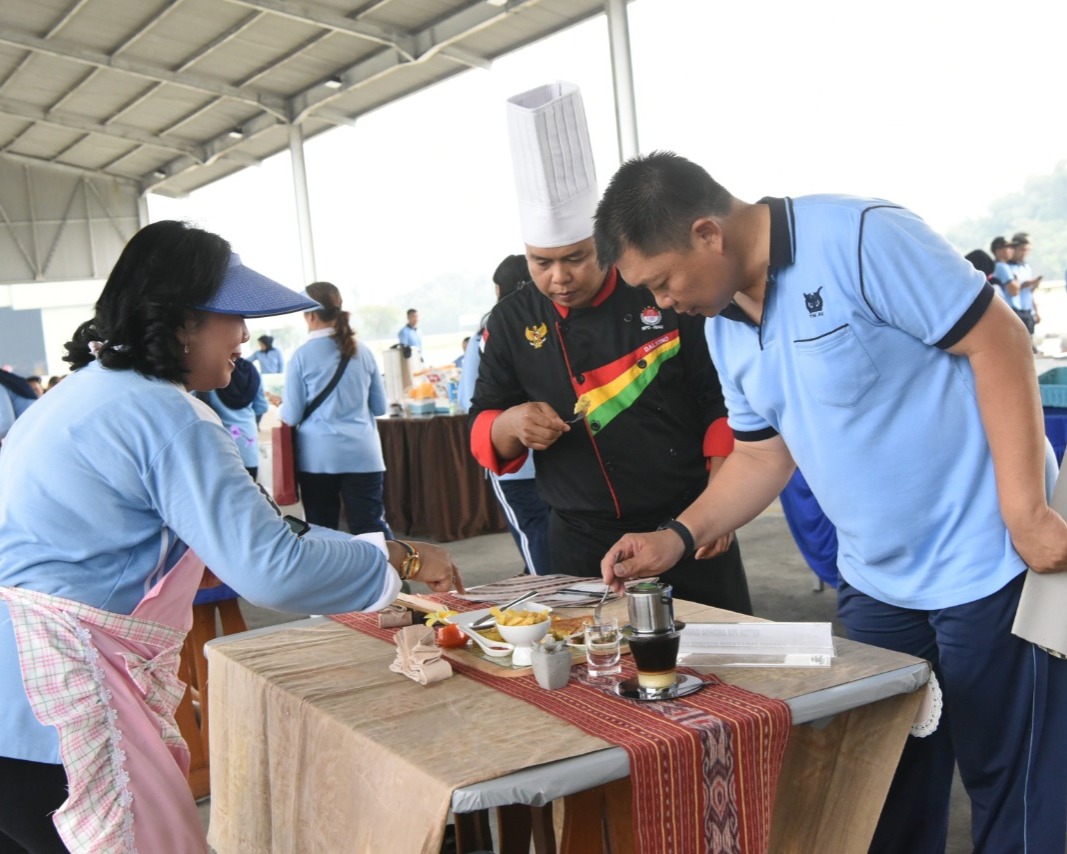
(781, 584)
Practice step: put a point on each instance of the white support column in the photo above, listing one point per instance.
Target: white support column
(623, 76)
(303, 203)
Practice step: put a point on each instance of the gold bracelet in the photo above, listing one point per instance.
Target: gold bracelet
(411, 564)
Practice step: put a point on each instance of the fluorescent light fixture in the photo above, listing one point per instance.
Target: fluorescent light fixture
(236, 133)
(334, 83)
(497, 2)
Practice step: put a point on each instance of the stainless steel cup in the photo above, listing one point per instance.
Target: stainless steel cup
(650, 607)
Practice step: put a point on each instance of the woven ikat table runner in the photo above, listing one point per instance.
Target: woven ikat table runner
(704, 768)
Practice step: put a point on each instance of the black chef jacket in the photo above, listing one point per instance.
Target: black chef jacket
(651, 455)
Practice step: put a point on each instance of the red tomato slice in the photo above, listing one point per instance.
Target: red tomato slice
(449, 637)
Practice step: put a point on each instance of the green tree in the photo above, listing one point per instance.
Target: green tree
(378, 321)
(1040, 209)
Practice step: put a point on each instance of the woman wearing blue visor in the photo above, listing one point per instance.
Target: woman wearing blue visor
(115, 490)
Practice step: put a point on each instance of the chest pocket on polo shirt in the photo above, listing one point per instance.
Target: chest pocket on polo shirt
(835, 368)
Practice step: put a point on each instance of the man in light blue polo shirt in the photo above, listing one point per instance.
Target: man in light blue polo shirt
(1022, 300)
(1003, 278)
(855, 343)
(409, 335)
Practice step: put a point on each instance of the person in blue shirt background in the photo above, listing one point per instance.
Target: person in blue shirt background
(269, 357)
(142, 487)
(409, 333)
(338, 449)
(854, 342)
(1026, 284)
(516, 492)
(16, 395)
(1003, 276)
(240, 406)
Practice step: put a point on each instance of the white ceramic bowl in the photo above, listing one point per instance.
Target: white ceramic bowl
(526, 635)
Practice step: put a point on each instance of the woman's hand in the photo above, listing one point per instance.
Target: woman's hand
(273, 398)
(437, 572)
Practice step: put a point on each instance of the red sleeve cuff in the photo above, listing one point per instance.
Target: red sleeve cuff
(719, 440)
(482, 445)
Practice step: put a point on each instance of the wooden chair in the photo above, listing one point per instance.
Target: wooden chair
(213, 606)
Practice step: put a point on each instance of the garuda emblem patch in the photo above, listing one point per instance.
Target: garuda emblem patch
(536, 335)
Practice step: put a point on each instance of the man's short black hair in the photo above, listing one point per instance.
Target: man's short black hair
(651, 203)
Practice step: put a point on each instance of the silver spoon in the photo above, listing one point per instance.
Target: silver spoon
(599, 605)
(495, 649)
(489, 620)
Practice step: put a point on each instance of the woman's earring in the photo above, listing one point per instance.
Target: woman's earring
(186, 348)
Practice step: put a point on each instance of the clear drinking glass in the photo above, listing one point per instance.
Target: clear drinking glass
(602, 643)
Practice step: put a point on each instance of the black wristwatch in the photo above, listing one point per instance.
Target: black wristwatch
(682, 531)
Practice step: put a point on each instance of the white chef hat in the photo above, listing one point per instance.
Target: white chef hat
(555, 179)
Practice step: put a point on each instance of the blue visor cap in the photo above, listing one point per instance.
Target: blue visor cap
(250, 294)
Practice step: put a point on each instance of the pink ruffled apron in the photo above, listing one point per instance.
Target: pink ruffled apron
(109, 684)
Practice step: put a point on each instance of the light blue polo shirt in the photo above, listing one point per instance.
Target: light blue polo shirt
(1002, 274)
(1024, 300)
(409, 337)
(849, 366)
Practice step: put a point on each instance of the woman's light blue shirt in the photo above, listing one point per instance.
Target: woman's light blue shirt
(105, 480)
(341, 436)
(11, 407)
(242, 424)
(270, 361)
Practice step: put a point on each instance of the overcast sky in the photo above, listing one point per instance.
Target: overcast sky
(778, 97)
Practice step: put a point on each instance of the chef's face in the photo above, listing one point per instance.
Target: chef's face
(214, 342)
(570, 276)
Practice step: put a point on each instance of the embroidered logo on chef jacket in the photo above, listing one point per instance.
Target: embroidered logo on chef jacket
(813, 302)
(651, 318)
(536, 335)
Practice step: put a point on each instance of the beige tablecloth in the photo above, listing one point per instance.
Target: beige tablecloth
(311, 722)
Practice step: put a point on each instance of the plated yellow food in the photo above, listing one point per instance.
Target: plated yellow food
(511, 617)
(491, 634)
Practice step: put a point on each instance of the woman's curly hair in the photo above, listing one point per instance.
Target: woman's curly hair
(328, 296)
(165, 271)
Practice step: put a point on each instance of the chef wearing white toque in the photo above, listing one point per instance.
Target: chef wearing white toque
(655, 413)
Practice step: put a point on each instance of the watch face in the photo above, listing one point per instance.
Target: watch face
(297, 526)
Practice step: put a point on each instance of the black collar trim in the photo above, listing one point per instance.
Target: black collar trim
(783, 237)
(783, 250)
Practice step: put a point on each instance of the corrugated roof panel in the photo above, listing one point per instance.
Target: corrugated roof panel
(174, 76)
